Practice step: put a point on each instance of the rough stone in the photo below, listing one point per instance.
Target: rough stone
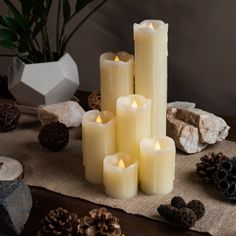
(69, 113)
(185, 135)
(15, 207)
(194, 129)
(211, 128)
(179, 104)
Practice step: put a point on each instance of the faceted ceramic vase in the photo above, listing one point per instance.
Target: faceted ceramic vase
(43, 83)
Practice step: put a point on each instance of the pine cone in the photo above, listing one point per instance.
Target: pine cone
(60, 222)
(225, 178)
(100, 222)
(208, 165)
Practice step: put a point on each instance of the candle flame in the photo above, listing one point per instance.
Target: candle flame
(151, 26)
(134, 104)
(117, 58)
(99, 119)
(121, 163)
(157, 146)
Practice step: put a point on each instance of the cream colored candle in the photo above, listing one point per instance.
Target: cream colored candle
(133, 115)
(116, 75)
(98, 139)
(120, 176)
(157, 165)
(150, 38)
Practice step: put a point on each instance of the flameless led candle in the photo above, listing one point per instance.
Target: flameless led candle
(120, 176)
(150, 37)
(133, 116)
(157, 165)
(116, 75)
(98, 139)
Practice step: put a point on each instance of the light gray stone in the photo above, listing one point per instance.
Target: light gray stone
(194, 129)
(179, 104)
(186, 136)
(15, 207)
(69, 113)
(211, 128)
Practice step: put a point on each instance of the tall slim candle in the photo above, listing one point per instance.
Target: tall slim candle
(116, 76)
(150, 38)
(98, 137)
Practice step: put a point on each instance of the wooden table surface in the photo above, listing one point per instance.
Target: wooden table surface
(132, 225)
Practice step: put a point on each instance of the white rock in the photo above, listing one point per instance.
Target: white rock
(211, 128)
(179, 104)
(186, 136)
(70, 113)
(194, 129)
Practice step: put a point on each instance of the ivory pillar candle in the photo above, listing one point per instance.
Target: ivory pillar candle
(133, 115)
(120, 176)
(150, 37)
(116, 75)
(98, 140)
(157, 165)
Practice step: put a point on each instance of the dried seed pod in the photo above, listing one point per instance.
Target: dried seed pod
(178, 202)
(198, 207)
(54, 136)
(9, 116)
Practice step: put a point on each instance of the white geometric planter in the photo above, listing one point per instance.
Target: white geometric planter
(43, 83)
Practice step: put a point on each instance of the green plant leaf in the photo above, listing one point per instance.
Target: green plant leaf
(7, 44)
(12, 8)
(39, 10)
(66, 10)
(10, 23)
(24, 23)
(8, 35)
(23, 47)
(48, 5)
(38, 27)
(80, 4)
(26, 7)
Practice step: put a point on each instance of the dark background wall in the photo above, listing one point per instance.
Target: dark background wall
(202, 46)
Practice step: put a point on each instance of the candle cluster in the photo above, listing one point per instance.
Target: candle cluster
(126, 142)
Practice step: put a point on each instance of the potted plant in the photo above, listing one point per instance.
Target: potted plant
(42, 72)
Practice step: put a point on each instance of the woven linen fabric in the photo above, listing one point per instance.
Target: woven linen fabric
(63, 172)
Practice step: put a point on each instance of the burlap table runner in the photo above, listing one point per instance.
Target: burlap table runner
(63, 172)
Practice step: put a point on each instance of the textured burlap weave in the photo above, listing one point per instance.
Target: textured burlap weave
(62, 172)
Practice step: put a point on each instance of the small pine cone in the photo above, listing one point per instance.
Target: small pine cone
(185, 218)
(54, 136)
(208, 165)
(100, 222)
(178, 202)
(9, 116)
(198, 207)
(60, 222)
(167, 211)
